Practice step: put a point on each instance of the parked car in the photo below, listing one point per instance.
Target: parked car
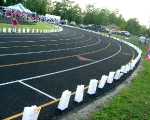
(125, 33)
(113, 31)
(104, 29)
(94, 27)
(82, 26)
(72, 23)
(63, 22)
(119, 32)
(107, 29)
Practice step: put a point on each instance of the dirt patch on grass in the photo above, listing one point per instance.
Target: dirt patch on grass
(86, 111)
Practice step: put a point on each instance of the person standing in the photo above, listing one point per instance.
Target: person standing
(110, 32)
(14, 24)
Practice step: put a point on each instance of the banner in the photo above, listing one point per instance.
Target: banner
(148, 53)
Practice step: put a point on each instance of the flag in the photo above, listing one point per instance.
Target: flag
(148, 53)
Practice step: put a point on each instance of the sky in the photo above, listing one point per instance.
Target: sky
(139, 9)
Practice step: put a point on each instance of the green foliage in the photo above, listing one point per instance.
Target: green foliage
(133, 26)
(38, 6)
(2, 3)
(143, 30)
(103, 16)
(13, 2)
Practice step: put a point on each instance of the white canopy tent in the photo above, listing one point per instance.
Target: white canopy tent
(18, 7)
(49, 16)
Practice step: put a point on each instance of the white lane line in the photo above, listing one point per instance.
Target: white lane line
(44, 75)
(37, 90)
(27, 53)
(7, 83)
(38, 40)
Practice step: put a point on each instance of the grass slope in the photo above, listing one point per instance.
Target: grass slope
(6, 23)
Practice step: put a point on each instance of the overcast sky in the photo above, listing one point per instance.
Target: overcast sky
(139, 9)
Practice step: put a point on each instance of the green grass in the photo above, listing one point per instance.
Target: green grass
(133, 103)
(36, 26)
(29, 25)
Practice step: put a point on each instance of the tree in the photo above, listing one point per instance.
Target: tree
(2, 3)
(133, 26)
(50, 6)
(38, 6)
(144, 30)
(57, 9)
(103, 16)
(75, 14)
(121, 22)
(13, 2)
(89, 14)
(112, 17)
(67, 10)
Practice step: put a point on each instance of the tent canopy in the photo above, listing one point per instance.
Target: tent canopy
(19, 7)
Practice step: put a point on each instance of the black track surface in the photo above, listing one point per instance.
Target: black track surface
(55, 68)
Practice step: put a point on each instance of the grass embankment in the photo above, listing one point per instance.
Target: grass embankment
(36, 26)
(133, 103)
(6, 23)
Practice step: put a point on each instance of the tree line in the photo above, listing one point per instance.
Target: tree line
(71, 11)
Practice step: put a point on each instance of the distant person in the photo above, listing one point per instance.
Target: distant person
(110, 32)
(14, 24)
(149, 54)
(146, 36)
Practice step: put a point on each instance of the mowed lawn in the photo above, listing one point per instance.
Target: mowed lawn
(6, 23)
(133, 103)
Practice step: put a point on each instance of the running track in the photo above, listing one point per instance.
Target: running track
(36, 68)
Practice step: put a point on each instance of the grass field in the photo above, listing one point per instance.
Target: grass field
(6, 23)
(133, 103)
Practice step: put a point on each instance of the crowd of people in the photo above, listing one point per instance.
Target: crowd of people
(20, 15)
(16, 15)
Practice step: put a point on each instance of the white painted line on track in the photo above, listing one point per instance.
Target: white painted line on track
(7, 83)
(37, 90)
(44, 75)
(39, 40)
(27, 53)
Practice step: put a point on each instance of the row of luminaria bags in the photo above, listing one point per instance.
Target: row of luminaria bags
(27, 30)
